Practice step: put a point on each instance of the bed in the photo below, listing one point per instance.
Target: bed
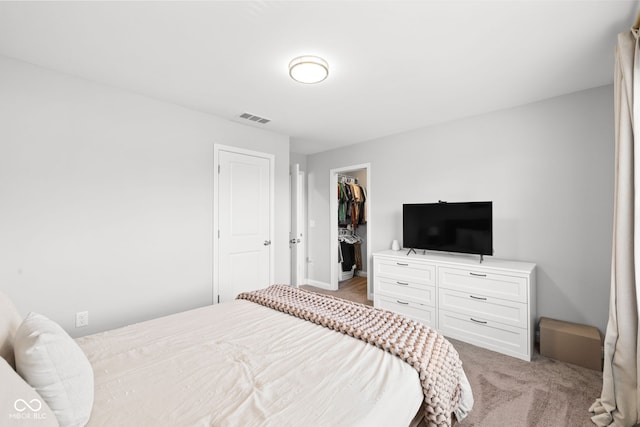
(243, 363)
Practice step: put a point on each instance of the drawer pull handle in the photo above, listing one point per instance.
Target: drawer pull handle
(478, 321)
(403, 283)
(480, 298)
(404, 265)
(402, 302)
(477, 275)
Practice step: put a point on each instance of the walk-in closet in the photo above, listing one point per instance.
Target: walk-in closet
(352, 230)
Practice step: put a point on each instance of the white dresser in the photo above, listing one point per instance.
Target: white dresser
(490, 304)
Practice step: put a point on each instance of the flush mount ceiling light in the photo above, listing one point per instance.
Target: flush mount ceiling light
(308, 69)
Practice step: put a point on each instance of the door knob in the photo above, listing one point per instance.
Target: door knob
(267, 242)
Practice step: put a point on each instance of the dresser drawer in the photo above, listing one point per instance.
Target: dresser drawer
(411, 309)
(484, 333)
(489, 284)
(484, 307)
(405, 270)
(409, 289)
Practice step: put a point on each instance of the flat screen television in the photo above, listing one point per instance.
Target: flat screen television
(449, 227)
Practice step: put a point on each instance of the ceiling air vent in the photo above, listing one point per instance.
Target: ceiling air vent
(254, 118)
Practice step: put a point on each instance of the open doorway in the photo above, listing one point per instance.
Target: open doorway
(350, 225)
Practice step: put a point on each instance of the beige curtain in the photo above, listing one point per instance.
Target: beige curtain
(618, 405)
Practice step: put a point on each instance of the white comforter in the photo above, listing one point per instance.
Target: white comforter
(240, 364)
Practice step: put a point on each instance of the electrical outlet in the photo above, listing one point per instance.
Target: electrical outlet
(82, 319)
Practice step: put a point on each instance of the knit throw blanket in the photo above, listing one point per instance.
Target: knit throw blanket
(435, 359)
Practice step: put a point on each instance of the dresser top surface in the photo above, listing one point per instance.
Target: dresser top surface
(460, 260)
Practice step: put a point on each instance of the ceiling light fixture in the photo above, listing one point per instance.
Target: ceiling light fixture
(308, 69)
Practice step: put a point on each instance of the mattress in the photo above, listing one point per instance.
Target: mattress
(242, 364)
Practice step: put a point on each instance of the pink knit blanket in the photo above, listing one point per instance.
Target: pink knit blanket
(428, 352)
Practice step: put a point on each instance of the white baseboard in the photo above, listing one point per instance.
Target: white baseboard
(318, 284)
(361, 273)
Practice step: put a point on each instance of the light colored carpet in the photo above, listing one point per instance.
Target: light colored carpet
(541, 393)
(509, 392)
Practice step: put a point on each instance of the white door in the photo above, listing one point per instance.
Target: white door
(296, 235)
(244, 241)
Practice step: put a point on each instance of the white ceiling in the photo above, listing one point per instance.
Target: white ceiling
(394, 65)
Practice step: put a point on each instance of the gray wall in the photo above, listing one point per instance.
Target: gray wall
(106, 199)
(300, 159)
(548, 167)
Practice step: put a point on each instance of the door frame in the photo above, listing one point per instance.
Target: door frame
(302, 216)
(301, 219)
(216, 204)
(333, 224)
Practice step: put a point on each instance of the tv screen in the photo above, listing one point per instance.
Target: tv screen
(449, 227)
